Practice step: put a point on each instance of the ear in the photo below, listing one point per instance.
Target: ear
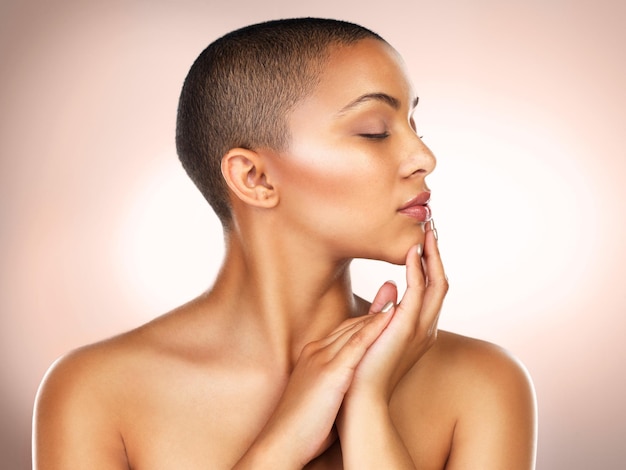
(246, 175)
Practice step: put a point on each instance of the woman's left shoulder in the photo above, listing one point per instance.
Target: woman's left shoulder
(478, 364)
(460, 373)
(477, 398)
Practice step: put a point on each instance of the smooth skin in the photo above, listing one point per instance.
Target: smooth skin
(279, 365)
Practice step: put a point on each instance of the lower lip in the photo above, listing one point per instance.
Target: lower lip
(420, 213)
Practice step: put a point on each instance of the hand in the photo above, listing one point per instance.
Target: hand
(413, 328)
(301, 426)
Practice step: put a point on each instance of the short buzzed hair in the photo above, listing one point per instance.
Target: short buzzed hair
(240, 89)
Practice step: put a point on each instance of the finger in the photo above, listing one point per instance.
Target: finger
(349, 325)
(411, 302)
(436, 279)
(388, 292)
(363, 334)
(435, 273)
(431, 246)
(350, 348)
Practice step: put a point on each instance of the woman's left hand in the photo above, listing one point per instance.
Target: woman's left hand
(411, 331)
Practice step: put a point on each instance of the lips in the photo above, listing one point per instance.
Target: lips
(417, 208)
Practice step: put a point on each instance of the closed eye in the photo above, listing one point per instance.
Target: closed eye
(378, 136)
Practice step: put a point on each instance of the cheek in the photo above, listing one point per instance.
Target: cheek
(347, 200)
(337, 181)
(326, 189)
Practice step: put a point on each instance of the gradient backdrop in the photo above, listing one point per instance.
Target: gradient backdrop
(523, 103)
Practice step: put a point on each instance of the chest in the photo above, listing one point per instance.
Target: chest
(200, 420)
(195, 419)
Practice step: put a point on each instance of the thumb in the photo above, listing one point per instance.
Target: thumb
(388, 292)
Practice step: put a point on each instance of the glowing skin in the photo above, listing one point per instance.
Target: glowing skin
(355, 158)
(279, 365)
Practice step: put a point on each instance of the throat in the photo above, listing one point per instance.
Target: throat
(277, 300)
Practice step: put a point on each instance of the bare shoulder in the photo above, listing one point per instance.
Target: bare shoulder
(475, 400)
(479, 363)
(111, 366)
(120, 403)
(87, 396)
(486, 377)
(496, 414)
(76, 410)
(470, 368)
(96, 372)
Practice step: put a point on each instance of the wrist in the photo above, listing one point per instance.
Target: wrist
(361, 412)
(367, 397)
(369, 439)
(268, 452)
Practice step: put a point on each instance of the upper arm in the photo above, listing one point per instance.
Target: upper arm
(497, 425)
(75, 424)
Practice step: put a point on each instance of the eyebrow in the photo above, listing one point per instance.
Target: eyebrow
(382, 97)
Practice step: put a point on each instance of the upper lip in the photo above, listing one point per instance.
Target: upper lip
(421, 199)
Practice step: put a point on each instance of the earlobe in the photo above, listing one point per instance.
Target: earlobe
(246, 176)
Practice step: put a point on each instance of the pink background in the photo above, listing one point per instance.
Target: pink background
(524, 105)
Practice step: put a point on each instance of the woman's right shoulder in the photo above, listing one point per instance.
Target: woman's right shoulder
(86, 361)
(77, 409)
(113, 364)
(87, 374)
(87, 396)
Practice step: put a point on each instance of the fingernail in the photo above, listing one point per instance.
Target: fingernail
(420, 250)
(434, 229)
(387, 307)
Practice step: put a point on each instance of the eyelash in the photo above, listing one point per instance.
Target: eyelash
(380, 136)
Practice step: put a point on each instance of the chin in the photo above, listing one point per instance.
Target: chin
(397, 255)
(391, 248)
(400, 248)
(397, 260)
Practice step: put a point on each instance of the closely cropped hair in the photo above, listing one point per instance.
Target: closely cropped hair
(239, 91)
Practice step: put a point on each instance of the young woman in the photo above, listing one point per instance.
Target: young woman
(300, 134)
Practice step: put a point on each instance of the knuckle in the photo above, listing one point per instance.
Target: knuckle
(357, 340)
(310, 350)
(441, 284)
(349, 322)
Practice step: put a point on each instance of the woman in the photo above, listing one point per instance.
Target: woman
(300, 135)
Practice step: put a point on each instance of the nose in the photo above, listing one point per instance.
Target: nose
(418, 160)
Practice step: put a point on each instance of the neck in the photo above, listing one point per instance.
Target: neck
(282, 295)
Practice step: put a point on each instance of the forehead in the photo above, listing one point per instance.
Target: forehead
(369, 66)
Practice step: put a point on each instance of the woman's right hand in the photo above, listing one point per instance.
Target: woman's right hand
(301, 426)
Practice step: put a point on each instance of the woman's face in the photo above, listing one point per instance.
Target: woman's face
(355, 160)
